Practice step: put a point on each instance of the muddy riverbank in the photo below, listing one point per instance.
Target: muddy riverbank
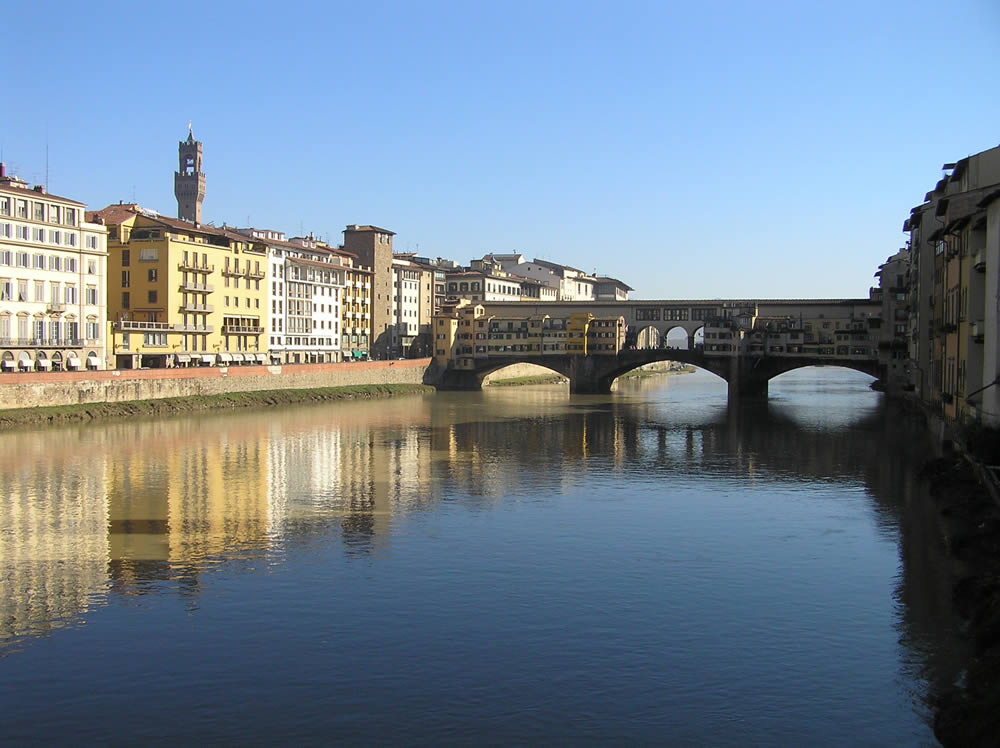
(63, 414)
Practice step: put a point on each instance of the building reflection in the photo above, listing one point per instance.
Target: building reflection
(53, 533)
(122, 507)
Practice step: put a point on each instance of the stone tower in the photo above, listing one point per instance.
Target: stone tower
(189, 181)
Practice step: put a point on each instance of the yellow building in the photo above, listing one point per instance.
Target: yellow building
(606, 335)
(180, 294)
(355, 310)
(576, 333)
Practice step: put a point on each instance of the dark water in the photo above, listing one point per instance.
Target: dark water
(506, 567)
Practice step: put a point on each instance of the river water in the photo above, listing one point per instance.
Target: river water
(512, 566)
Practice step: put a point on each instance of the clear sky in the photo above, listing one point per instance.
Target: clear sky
(692, 149)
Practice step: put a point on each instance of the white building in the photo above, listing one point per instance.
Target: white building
(307, 280)
(53, 271)
(406, 277)
(572, 284)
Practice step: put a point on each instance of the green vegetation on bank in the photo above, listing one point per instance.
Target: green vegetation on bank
(539, 379)
(62, 414)
(557, 379)
(643, 372)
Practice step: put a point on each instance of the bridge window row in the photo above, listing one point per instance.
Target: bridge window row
(673, 313)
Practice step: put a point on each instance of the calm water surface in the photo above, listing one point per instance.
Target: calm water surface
(510, 566)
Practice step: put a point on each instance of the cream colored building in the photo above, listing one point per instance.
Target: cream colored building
(53, 270)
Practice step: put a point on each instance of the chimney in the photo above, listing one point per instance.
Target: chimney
(3, 169)
(39, 188)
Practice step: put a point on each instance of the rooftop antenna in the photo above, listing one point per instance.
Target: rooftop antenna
(47, 185)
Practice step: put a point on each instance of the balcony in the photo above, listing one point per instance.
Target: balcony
(197, 287)
(252, 274)
(242, 330)
(43, 342)
(194, 267)
(204, 308)
(55, 308)
(137, 325)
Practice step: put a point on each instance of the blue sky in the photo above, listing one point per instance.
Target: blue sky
(710, 149)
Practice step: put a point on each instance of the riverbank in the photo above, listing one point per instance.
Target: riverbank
(64, 414)
(964, 490)
(544, 376)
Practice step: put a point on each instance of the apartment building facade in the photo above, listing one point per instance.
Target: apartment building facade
(373, 248)
(184, 295)
(53, 277)
(952, 292)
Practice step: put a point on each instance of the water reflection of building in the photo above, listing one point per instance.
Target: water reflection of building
(176, 498)
(53, 535)
(353, 465)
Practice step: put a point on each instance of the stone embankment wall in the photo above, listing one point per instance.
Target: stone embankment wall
(70, 388)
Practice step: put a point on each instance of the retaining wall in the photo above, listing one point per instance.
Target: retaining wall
(35, 389)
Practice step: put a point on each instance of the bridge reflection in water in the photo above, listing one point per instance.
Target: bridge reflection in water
(103, 515)
(746, 343)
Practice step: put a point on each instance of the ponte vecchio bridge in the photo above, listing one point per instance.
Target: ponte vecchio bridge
(745, 342)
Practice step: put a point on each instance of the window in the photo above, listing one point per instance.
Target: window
(38, 235)
(38, 261)
(70, 293)
(71, 216)
(54, 213)
(92, 295)
(126, 278)
(93, 331)
(70, 265)
(151, 297)
(4, 206)
(39, 290)
(91, 241)
(55, 262)
(22, 290)
(6, 257)
(38, 211)
(22, 259)
(126, 258)
(5, 289)
(126, 300)
(155, 339)
(55, 237)
(91, 267)
(149, 254)
(21, 232)
(6, 230)
(151, 275)
(70, 238)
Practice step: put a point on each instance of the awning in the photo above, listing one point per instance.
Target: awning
(8, 363)
(275, 356)
(261, 358)
(225, 358)
(73, 361)
(208, 358)
(183, 358)
(25, 363)
(92, 360)
(43, 363)
(238, 357)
